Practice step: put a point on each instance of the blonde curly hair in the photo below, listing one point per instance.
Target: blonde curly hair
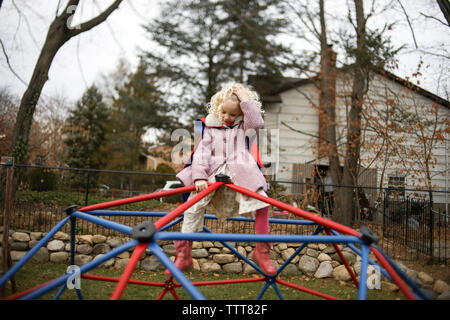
(214, 107)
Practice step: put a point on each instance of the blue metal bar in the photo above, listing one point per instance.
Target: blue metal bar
(251, 263)
(362, 290)
(253, 238)
(84, 268)
(411, 283)
(165, 260)
(60, 291)
(266, 285)
(12, 271)
(167, 226)
(105, 223)
(207, 216)
(80, 296)
(126, 213)
(318, 229)
(277, 291)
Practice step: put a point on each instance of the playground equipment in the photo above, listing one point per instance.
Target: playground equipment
(146, 234)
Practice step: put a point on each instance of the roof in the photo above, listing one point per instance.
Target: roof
(270, 92)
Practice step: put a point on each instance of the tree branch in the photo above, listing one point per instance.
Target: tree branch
(88, 25)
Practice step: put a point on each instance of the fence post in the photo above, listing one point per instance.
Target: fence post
(430, 206)
(87, 189)
(7, 262)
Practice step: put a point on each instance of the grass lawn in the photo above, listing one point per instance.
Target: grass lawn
(34, 274)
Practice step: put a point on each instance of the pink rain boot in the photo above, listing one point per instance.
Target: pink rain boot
(183, 257)
(262, 250)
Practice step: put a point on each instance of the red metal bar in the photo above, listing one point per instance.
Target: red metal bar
(129, 269)
(24, 293)
(395, 277)
(313, 292)
(110, 279)
(183, 207)
(347, 265)
(162, 294)
(144, 197)
(299, 212)
(206, 283)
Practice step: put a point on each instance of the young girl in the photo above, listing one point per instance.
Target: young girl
(234, 114)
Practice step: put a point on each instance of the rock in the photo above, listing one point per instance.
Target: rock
(67, 247)
(248, 269)
(32, 243)
(291, 270)
(430, 294)
(121, 263)
(218, 244)
(323, 257)
(325, 270)
(17, 255)
(210, 267)
(196, 264)
(197, 245)
(61, 236)
(56, 245)
(114, 242)
(123, 255)
(282, 246)
(98, 238)
(21, 237)
(57, 257)
(440, 286)
(389, 286)
(286, 254)
(36, 235)
(226, 250)
(234, 267)
(87, 239)
(84, 249)
(152, 264)
(341, 273)
(169, 249)
(81, 259)
(100, 248)
(312, 252)
(329, 249)
(19, 246)
(308, 265)
(444, 296)
(223, 258)
(199, 253)
(242, 251)
(425, 278)
(314, 246)
(108, 263)
(41, 256)
(322, 246)
(350, 257)
(214, 250)
(207, 244)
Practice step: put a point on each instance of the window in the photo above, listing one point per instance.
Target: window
(396, 186)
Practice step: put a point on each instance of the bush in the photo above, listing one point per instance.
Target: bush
(43, 180)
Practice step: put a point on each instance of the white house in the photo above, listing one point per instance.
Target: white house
(398, 116)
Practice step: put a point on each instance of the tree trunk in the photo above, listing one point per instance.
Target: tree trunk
(350, 174)
(328, 109)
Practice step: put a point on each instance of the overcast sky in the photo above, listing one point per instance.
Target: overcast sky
(83, 59)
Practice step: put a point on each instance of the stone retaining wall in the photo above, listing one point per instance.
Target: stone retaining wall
(315, 260)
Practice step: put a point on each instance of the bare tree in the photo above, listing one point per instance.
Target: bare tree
(59, 32)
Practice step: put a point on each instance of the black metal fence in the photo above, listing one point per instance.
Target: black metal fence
(409, 227)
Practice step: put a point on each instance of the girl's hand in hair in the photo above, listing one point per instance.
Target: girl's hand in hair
(241, 93)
